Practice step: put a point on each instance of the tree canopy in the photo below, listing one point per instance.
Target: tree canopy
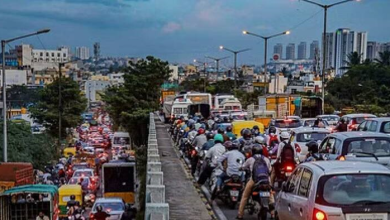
(46, 110)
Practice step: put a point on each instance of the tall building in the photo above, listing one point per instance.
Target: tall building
(330, 51)
(373, 49)
(313, 47)
(302, 51)
(82, 53)
(278, 49)
(96, 50)
(346, 42)
(290, 52)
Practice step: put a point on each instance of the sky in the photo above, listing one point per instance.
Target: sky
(183, 30)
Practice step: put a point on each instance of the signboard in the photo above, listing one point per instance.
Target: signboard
(276, 57)
(282, 109)
(260, 84)
(167, 93)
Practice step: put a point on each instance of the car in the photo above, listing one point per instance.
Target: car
(301, 136)
(309, 122)
(114, 206)
(285, 124)
(354, 120)
(381, 125)
(85, 173)
(90, 186)
(357, 146)
(76, 166)
(337, 190)
(331, 119)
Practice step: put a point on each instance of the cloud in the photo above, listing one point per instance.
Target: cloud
(171, 27)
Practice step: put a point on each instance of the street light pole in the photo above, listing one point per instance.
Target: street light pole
(266, 50)
(235, 52)
(4, 84)
(59, 102)
(217, 62)
(324, 43)
(205, 72)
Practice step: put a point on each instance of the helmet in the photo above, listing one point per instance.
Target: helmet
(229, 129)
(260, 140)
(221, 131)
(272, 129)
(247, 134)
(210, 135)
(225, 119)
(255, 127)
(99, 208)
(201, 131)
(257, 149)
(228, 145)
(218, 138)
(236, 144)
(72, 197)
(312, 147)
(284, 135)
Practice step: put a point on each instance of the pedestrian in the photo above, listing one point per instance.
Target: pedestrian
(42, 216)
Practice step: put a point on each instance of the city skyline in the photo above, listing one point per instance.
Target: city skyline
(178, 31)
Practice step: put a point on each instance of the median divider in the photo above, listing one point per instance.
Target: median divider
(156, 208)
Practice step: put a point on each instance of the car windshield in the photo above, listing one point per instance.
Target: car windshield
(289, 123)
(121, 140)
(83, 173)
(309, 123)
(110, 206)
(306, 137)
(354, 189)
(79, 166)
(361, 119)
(364, 147)
(386, 127)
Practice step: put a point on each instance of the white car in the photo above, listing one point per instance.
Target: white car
(115, 207)
(301, 136)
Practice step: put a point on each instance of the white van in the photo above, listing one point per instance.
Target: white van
(179, 108)
(121, 139)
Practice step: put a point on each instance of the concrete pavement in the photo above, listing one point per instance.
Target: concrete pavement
(183, 198)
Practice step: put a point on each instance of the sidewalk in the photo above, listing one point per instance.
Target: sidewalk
(184, 201)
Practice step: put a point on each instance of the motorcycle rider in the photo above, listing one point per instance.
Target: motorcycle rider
(212, 157)
(342, 126)
(256, 131)
(262, 142)
(222, 132)
(230, 134)
(72, 204)
(235, 159)
(246, 140)
(198, 142)
(210, 141)
(286, 153)
(312, 155)
(257, 153)
(100, 214)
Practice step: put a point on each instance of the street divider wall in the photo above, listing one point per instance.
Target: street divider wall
(156, 207)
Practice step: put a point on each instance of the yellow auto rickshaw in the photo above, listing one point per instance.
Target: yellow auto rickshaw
(239, 125)
(65, 191)
(69, 151)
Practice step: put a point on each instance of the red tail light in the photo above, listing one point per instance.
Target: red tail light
(342, 158)
(91, 216)
(193, 152)
(289, 168)
(318, 215)
(297, 148)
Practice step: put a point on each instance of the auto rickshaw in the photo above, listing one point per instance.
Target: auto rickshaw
(239, 125)
(69, 151)
(65, 192)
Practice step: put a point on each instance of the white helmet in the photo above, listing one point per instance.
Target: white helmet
(284, 135)
(260, 140)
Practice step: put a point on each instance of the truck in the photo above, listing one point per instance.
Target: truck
(180, 108)
(15, 174)
(119, 180)
(218, 99)
(167, 107)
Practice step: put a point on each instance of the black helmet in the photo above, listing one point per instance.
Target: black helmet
(247, 134)
(228, 145)
(255, 127)
(312, 147)
(225, 119)
(72, 197)
(210, 135)
(99, 208)
(221, 131)
(257, 149)
(272, 129)
(229, 129)
(236, 144)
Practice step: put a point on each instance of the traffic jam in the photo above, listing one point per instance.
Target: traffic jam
(94, 179)
(324, 167)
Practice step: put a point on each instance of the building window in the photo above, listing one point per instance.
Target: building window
(58, 55)
(41, 54)
(52, 54)
(293, 91)
(47, 54)
(64, 54)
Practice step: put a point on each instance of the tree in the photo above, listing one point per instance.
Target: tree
(23, 146)
(353, 59)
(20, 96)
(46, 110)
(384, 58)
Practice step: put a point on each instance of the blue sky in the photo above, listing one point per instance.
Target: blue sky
(182, 30)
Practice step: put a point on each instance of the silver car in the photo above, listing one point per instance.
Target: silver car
(115, 207)
(301, 136)
(335, 190)
(381, 125)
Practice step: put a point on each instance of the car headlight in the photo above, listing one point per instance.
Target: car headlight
(87, 197)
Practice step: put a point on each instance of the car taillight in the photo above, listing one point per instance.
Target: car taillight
(289, 168)
(91, 216)
(341, 158)
(193, 152)
(297, 148)
(318, 215)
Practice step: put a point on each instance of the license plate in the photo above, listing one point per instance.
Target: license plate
(288, 173)
(264, 194)
(376, 216)
(233, 193)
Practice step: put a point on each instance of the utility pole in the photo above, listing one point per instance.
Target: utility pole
(235, 52)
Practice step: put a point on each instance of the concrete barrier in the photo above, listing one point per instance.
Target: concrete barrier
(156, 208)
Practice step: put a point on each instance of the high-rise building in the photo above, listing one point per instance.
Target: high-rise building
(346, 42)
(290, 52)
(329, 62)
(313, 47)
(373, 49)
(96, 50)
(302, 51)
(278, 49)
(82, 53)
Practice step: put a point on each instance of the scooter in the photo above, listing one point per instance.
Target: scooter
(261, 193)
(231, 191)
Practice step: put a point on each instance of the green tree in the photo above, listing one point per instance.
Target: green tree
(46, 110)
(20, 96)
(384, 58)
(353, 59)
(23, 146)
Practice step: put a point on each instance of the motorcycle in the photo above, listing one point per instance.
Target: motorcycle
(231, 191)
(261, 193)
(77, 215)
(284, 172)
(89, 199)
